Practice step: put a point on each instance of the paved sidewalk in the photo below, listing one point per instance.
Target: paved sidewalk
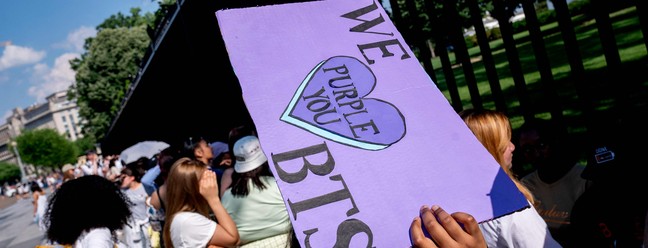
(17, 227)
(7, 201)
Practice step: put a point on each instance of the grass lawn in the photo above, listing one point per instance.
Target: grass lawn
(615, 94)
(632, 51)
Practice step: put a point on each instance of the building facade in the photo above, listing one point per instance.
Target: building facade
(56, 113)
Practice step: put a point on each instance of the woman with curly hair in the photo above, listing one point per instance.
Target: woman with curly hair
(86, 212)
(192, 193)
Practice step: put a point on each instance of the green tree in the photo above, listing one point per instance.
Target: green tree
(104, 72)
(119, 20)
(84, 144)
(45, 147)
(8, 172)
(430, 12)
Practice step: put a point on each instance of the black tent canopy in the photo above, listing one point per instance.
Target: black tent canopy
(185, 87)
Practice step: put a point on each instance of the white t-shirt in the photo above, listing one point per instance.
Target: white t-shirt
(95, 238)
(189, 229)
(520, 229)
(88, 170)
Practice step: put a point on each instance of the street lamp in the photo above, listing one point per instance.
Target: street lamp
(20, 164)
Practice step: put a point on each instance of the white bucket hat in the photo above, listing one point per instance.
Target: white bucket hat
(248, 153)
(67, 167)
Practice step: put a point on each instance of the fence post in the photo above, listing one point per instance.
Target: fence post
(487, 56)
(502, 13)
(544, 67)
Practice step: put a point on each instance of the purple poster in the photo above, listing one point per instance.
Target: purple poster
(357, 134)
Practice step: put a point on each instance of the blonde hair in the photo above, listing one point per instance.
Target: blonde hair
(493, 130)
(183, 192)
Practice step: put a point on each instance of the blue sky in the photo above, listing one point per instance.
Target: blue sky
(39, 37)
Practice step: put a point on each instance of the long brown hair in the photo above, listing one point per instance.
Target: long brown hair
(493, 129)
(183, 192)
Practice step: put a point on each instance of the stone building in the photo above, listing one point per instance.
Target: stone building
(57, 113)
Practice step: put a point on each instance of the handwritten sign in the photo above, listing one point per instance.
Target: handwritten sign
(357, 134)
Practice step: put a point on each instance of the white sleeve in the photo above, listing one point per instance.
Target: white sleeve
(528, 229)
(525, 228)
(118, 164)
(99, 238)
(86, 170)
(190, 229)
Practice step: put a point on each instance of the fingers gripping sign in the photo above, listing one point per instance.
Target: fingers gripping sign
(435, 228)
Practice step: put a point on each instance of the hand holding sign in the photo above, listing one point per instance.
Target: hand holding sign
(456, 230)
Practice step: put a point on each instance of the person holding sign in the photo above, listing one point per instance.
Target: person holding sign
(524, 228)
(446, 229)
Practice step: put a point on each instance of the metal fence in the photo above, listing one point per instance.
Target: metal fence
(573, 98)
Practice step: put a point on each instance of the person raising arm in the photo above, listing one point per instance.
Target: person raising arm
(194, 192)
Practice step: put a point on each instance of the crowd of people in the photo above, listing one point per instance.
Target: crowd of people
(21, 189)
(192, 194)
(208, 194)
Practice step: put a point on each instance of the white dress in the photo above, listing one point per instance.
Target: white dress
(41, 207)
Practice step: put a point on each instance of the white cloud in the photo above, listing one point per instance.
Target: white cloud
(58, 78)
(39, 69)
(13, 56)
(76, 39)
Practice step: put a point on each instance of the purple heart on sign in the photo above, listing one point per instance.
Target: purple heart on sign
(331, 102)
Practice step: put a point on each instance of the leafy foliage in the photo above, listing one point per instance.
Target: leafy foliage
(121, 21)
(431, 14)
(84, 144)
(8, 172)
(45, 147)
(165, 7)
(579, 7)
(105, 70)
